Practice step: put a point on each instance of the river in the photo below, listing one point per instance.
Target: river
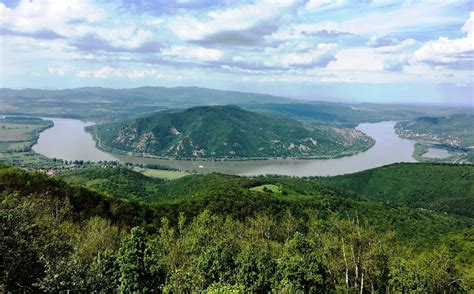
(67, 140)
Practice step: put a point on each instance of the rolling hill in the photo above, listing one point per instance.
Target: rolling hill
(101, 103)
(226, 132)
(439, 187)
(220, 232)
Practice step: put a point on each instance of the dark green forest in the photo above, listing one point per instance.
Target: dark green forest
(444, 188)
(114, 230)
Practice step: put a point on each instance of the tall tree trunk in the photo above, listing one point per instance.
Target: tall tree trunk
(345, 262)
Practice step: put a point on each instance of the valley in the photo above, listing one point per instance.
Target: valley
(235, 147)
(166, 180)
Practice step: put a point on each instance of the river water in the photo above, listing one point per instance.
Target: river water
(67, 140)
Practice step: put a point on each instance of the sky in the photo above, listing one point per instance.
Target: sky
(360, 50)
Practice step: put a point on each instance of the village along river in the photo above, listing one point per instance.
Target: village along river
(68, 140)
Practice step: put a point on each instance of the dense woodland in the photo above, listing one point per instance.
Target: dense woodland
(227, 132)
(227, 234)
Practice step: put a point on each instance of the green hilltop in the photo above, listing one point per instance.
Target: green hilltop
(439, 187)
(227, 132)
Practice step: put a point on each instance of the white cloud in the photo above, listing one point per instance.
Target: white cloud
(318, 56)
(323, 4)
(445, 50)
(232, 19)
(105, 72)
(60, 71)
(193, 53)
(408, 44)
(51, 14)
(357, 59)
(409, 15)
(83, 74)
(101, 73)
(136, 74)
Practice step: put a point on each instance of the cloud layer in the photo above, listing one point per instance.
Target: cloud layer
(226, 44)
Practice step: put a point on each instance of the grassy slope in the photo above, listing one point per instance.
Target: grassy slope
(224, 132)
(446, 188)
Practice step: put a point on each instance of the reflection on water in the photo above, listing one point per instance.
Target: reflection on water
(68, 140)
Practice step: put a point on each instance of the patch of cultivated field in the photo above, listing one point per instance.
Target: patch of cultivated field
(265, 188)
(16, 132)
(162, 174)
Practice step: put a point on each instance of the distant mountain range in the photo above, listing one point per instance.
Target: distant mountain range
(227, 132)
(97, 103)
(102, 104)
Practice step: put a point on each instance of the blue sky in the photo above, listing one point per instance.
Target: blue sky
(361, 50)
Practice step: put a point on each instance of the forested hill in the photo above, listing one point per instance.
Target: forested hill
(235, 234)
(441, 187)
(227, 132)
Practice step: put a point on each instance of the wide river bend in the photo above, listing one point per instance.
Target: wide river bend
(68, 140)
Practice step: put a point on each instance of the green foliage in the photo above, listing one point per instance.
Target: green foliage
(429, 272)
(226, 132)
(137, 265)
(117, 181)
(104, 273)
(440, 187)
(255, 269)
(300, 268)
(57, 237)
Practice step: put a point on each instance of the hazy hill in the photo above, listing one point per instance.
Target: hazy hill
(104, 103)
(226, 132)
(456, 130)
(100, 103)
(333, 113)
